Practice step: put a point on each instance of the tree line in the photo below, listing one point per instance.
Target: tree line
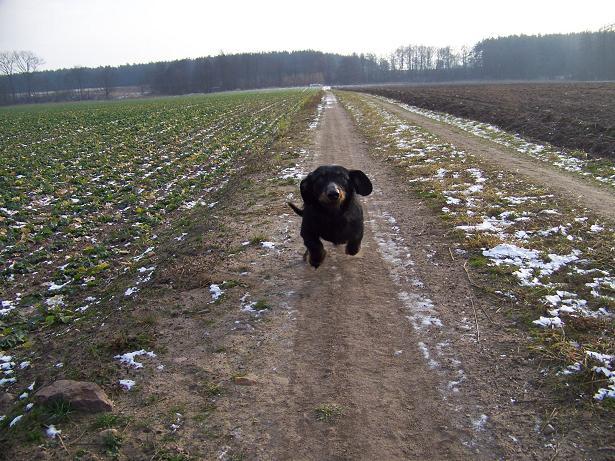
(23, 63)
(576, 56)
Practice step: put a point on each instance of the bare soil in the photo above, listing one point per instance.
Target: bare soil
(570, 115)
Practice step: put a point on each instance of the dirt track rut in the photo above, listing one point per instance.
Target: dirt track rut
(599, 199)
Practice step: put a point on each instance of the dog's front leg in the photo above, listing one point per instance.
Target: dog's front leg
(353, 247)
(315, 251)
(354, 242)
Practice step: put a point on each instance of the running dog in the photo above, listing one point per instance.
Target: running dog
(331, 210)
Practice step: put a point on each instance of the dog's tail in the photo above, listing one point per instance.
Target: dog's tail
(296, 209)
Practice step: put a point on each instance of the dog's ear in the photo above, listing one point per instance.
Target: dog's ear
(361, 182)
(307, 192)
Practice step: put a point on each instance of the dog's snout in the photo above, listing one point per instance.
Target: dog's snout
(333, 192)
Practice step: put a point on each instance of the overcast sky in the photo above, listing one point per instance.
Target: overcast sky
(67, 33)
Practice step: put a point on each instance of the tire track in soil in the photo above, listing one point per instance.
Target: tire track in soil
(598, 199)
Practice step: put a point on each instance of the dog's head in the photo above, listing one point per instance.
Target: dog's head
(332, 186)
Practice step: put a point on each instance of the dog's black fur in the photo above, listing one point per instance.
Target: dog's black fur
(331, 210)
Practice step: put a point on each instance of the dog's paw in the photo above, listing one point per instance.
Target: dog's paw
(316, 259)
(353, 248)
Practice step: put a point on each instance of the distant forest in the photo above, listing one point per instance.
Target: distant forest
(578, 56)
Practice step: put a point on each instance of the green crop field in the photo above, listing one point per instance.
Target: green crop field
(83, 187)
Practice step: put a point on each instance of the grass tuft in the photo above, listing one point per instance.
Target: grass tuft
(328, 412)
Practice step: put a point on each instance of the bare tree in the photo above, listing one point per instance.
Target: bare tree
(429, 52)
(425, 57)
(445, 58)
(27, 63)
(464, 54)
(410, 57)
(400, 56)
(393, 61)
(7, 67)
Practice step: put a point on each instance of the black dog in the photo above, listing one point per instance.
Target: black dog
(331, 210)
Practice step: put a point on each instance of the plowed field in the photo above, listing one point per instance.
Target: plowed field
(569, 115)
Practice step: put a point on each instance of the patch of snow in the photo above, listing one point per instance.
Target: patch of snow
(7, 306)
(54, 287)
(441, 173)
(531, 266)
(292, 172)
(215, 291)
(223, 453)
(249, 307)
(490, 224)
(605, 392)
(52, 432)
(126, 384)
(605, 359)
(433, 364)
(598, 282)
(131, 291)
(129, 358)
(181, 237)
(55, 301)
(553, 322)
(479, 423)
(569, 303)
(606, 369)
(142, 255)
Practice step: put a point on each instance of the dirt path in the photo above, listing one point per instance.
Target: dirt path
(350, 325)
(594, 197)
